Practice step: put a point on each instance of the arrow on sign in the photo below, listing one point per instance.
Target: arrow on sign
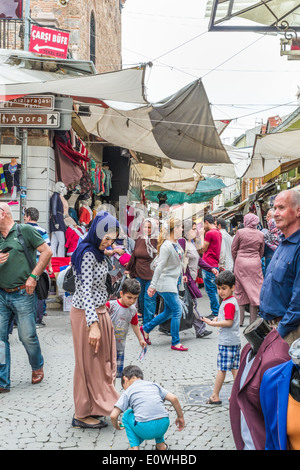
(52, 119)
(37, 48)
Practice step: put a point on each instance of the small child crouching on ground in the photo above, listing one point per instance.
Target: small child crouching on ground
(146, 417)
(228, 321)
(123, 313)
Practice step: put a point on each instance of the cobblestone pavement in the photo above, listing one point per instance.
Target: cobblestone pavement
(39, 416)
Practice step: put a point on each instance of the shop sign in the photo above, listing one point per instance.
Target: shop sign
(50, 42)
(42, 102)
(30, 120)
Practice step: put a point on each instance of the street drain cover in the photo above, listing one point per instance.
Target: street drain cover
(199, 394)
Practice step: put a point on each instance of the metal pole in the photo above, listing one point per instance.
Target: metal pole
(27, 26)
(24, 154)
(23, 185)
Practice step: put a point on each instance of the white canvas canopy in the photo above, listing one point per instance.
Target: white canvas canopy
(19, 76)
(173, 179)
(178, 133)
(273, 150)
(239, 162)
(181, 128)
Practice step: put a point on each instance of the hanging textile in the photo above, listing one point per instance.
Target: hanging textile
(12, 177)
(86, 183)
(70, 153)
(107, 182)
(3, 187)
(66, 170)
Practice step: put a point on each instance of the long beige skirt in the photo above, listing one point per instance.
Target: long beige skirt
(94, 374)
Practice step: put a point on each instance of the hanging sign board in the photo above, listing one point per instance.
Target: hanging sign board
(27, 103)
(49, 42)
(31, 120)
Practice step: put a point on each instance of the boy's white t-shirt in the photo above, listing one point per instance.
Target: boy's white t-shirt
(229, 310)
(146, 400)
(121, 317)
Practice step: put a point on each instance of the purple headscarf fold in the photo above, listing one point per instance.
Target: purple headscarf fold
(251, 220)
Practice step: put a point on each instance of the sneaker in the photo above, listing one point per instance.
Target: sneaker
(206, 333)
(41, 324)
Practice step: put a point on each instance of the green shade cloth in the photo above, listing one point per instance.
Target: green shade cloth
(205, 191)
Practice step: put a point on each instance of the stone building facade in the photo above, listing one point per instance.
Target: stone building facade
(94, 26)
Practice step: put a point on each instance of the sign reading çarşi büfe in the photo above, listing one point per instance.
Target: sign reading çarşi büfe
(49, 42)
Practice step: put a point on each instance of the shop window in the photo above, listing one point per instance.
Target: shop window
(93, 38)
(292, 173)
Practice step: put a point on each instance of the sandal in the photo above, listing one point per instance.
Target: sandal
(211, 402)
(180, 348)
(144, 336)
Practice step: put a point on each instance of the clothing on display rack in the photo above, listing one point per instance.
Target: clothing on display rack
(73, 234)
(86, 183)
(3, 186)
(71, 157)
(57, 222)
(108, 180)
(12, 177)
(85, 213)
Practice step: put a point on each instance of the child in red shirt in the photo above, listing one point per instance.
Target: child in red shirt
(123, 313)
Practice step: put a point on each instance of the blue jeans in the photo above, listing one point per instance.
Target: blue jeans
(137, 432)
(172, 309)
(211, 290)
(40, 310)
(147, 304)
(23, 307)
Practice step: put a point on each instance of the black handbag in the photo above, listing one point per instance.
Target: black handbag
(44, 283)
(186, 321)
(69, 281)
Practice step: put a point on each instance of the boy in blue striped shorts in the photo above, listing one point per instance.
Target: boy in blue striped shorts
(228, 321)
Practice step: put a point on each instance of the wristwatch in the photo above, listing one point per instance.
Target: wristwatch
(35, 276)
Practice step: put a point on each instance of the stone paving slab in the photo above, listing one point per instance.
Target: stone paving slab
(39, 416)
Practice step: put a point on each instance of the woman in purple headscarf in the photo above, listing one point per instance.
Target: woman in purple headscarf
(92, 329)
(247, 250)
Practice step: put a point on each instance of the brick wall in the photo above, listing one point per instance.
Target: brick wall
(75, 17)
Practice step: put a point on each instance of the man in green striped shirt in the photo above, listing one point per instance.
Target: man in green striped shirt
(17, 293)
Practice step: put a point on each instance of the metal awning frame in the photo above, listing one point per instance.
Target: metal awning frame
(279, 25)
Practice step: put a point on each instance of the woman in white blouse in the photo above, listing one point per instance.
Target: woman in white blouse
(92, 329)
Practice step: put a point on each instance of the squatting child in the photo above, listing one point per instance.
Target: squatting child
(228, 321)
(145, 416)
(123, 313)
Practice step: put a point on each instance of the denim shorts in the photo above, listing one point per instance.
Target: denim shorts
(228, 357)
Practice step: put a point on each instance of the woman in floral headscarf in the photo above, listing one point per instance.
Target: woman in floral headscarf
(247, 250)
(272, 238)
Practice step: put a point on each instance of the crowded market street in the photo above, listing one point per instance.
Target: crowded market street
(149, 228)
(38, 417)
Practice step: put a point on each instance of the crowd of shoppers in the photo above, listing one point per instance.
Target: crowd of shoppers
(234, 281)
(247, 251)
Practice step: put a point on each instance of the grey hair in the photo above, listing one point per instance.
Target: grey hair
(294, 198)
